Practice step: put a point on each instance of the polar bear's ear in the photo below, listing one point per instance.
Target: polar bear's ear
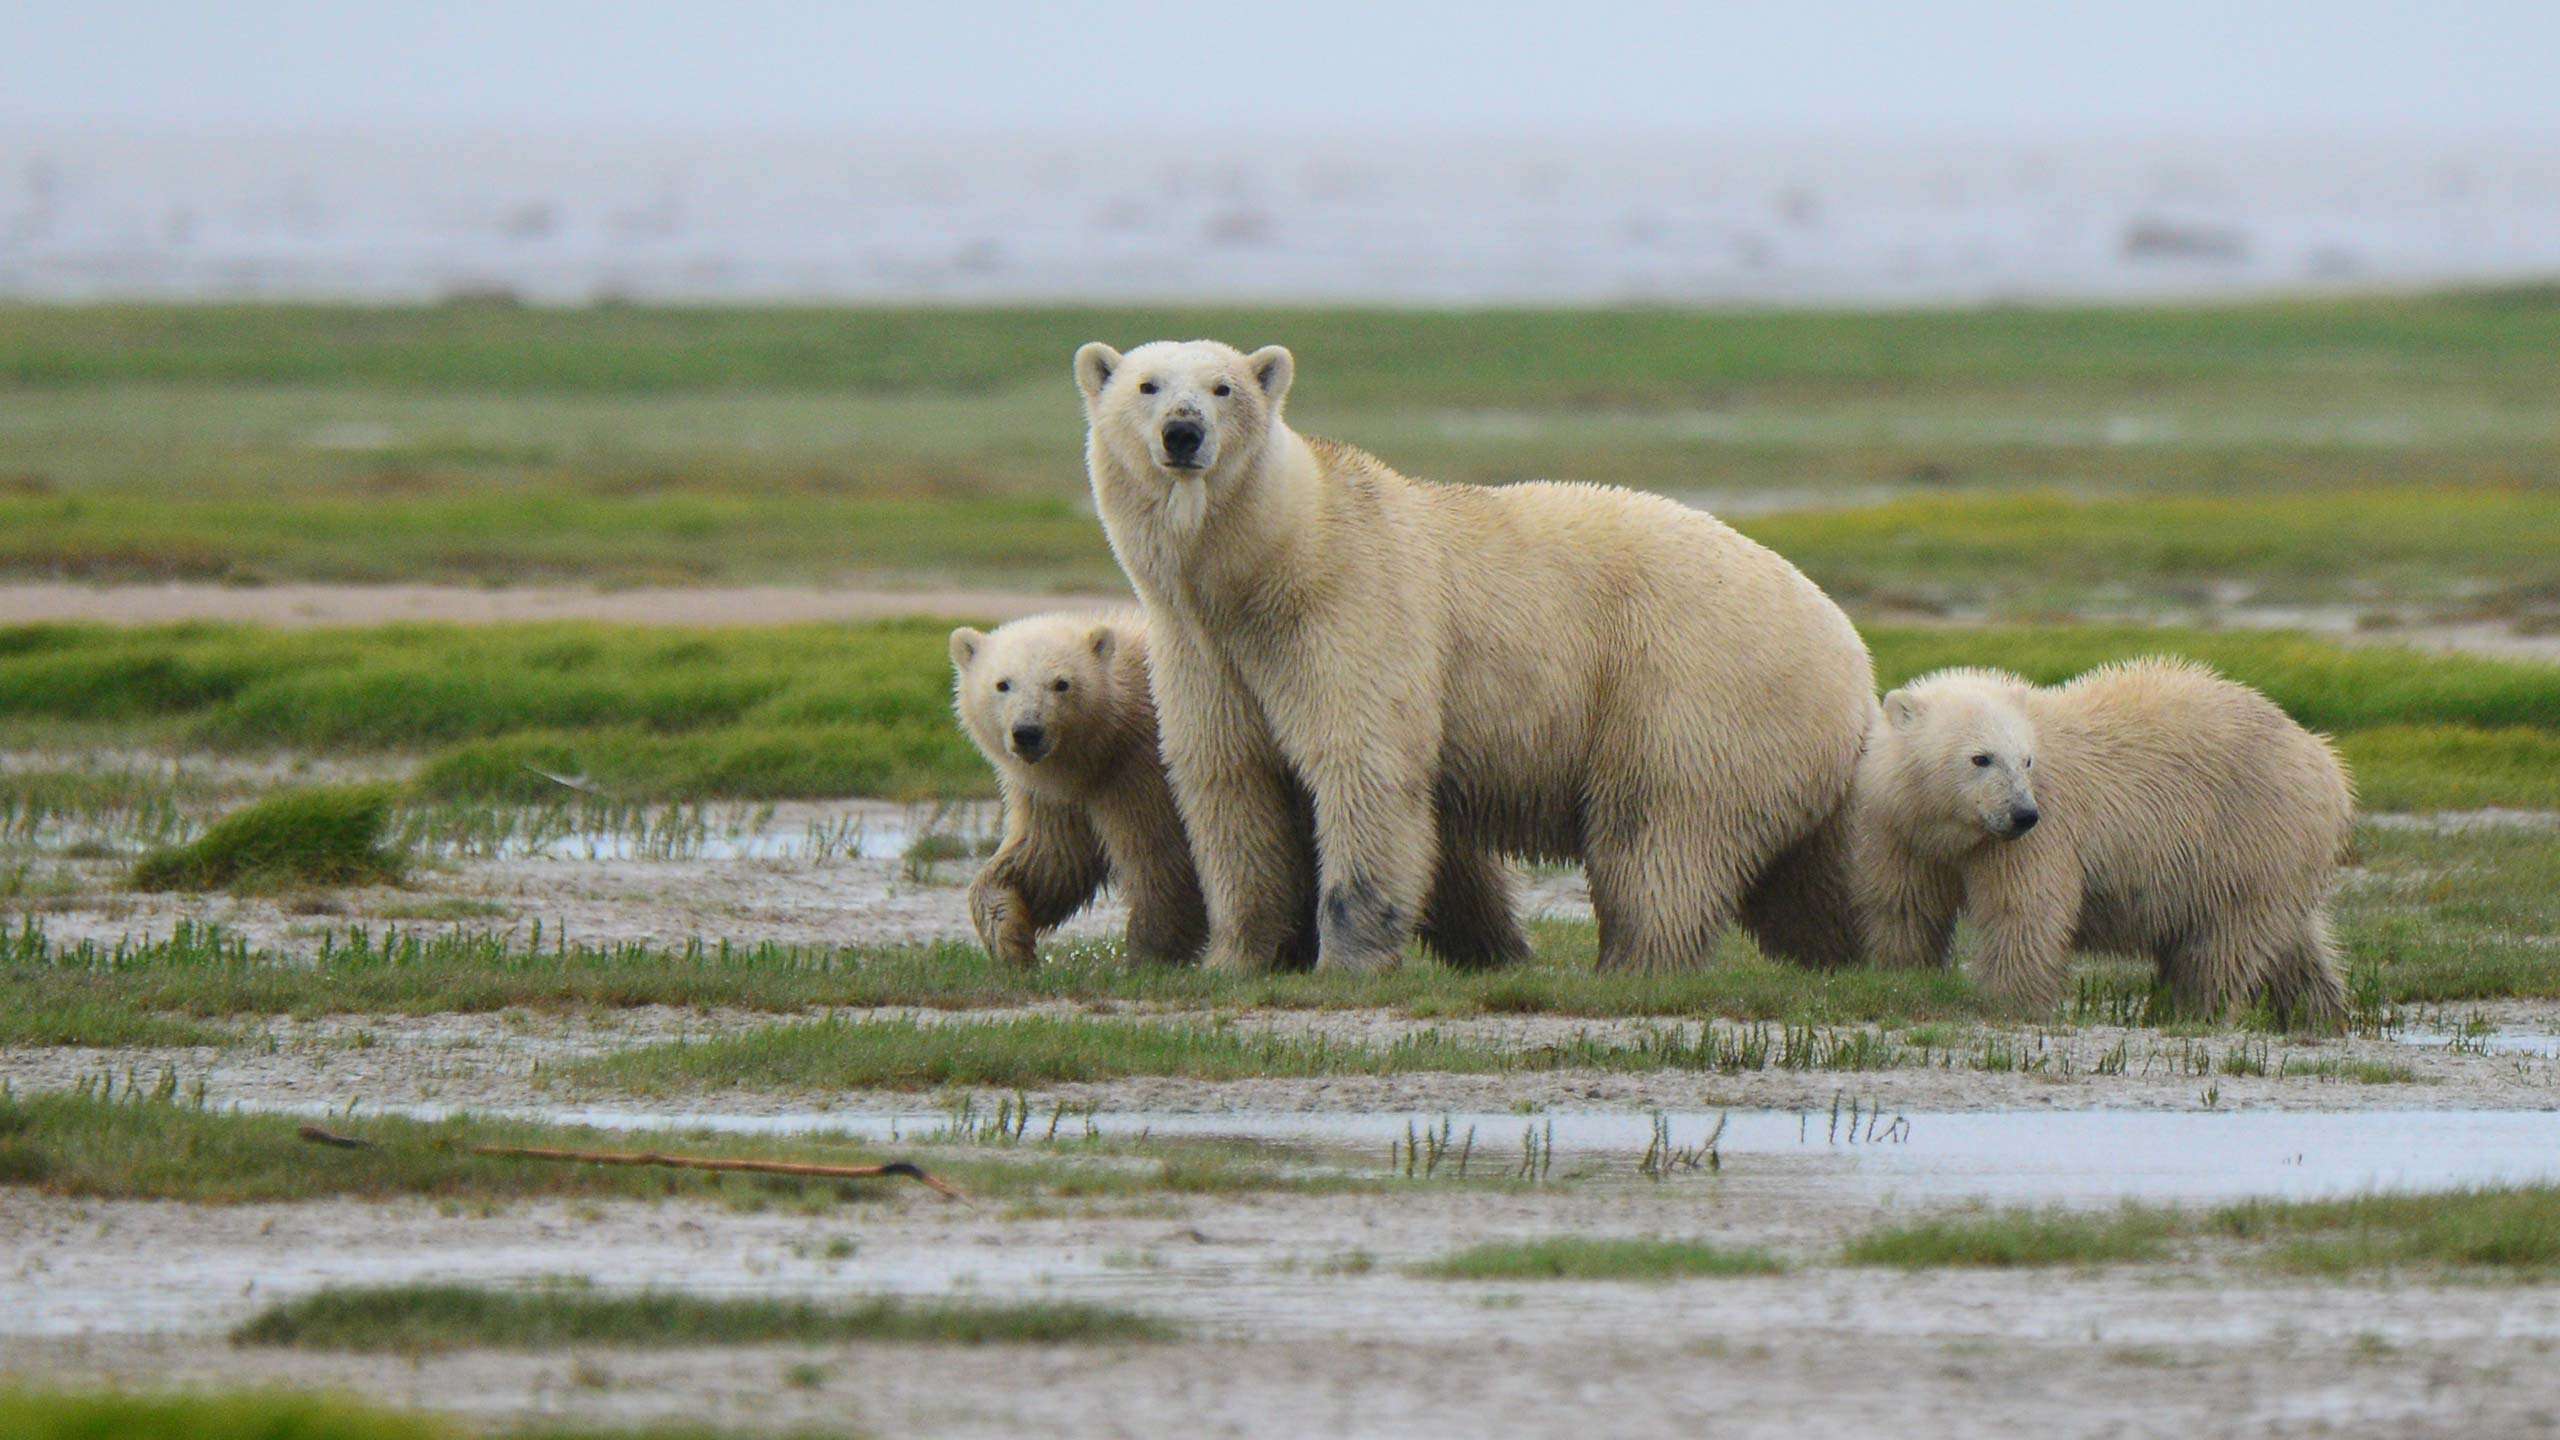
(1902, 709)
(964, 646)
(1094, 364)
(1103, 641)
(1273, 368)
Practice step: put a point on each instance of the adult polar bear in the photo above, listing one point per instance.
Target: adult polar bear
(1550, 670)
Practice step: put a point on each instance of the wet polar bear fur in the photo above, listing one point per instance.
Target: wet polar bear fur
(1060, 706)
(2150, 807)
(1549, 670)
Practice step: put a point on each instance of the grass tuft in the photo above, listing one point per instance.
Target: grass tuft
(295, 837)
(416, 1319)
(2502, 1231)
(2017, 1239)
(1573, 1257)
(29, 1415)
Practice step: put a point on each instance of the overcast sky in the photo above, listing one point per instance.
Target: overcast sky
(1225, 73)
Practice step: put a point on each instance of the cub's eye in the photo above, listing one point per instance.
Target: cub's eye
(1146, 387)
(2027, 764)
(1058, 685)
(1982, 760)
(1220, 392)
(1003, 685)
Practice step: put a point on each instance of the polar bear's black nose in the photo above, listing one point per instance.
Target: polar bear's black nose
(1027, 740)
(1182, 439)
(2023, 819)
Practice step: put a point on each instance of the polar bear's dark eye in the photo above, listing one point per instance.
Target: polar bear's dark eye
(1982, 760)
(1146, 387)
(1003, 685)
(1220, 392)
(1058, 685)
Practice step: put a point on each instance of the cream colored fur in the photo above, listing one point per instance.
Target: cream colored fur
(2179, 816)
(1550, 670)
(1094, 805)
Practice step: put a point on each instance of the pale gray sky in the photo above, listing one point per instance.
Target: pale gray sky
(1231, 71)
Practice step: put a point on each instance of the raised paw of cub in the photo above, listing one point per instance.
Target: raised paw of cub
(1004, 924)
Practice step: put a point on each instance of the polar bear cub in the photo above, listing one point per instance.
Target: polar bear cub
(2150, 807)
(1060, 706)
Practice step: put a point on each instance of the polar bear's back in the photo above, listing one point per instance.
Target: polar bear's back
(2160, 768)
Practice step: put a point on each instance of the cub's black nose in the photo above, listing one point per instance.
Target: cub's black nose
(1027, 739)
(1182, 439)
(2023, 819)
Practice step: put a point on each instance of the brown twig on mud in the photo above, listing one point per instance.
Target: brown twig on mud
(899, 1169)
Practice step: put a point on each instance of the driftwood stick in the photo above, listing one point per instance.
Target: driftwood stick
(899, 1169)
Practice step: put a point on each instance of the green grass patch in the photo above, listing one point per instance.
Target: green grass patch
(2413, 541)
(865, 709)
(683, 445)
(1585, 356)
(2453, 767)
(2500, 1231)
(2321, 683)
(293, 837)
(31, 1415)
(1042, 1051)
(2510, 1232)
(413, 1319)
(2018, 1239)
(1573, 1257)
(75, 1021)
(28, 1416)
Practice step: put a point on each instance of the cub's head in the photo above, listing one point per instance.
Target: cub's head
(1182, 409)
(1962, 753)
(1035, 691)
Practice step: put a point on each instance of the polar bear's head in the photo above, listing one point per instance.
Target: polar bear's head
(1037, 691)
(1960, 751)
(1183, 409)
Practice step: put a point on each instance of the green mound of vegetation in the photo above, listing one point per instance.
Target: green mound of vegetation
(293, 837)
(2510, 1232)
(418, 1318)
(1571, 1257)
(2018, 1239)
(865, 709)
(2505, 1231)
(30, 1415)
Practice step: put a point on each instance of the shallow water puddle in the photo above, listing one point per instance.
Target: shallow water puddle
(2533, 1044)
(2069, 1157)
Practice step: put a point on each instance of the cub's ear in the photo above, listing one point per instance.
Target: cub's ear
(1104, 640)
(1902, 709)
(964, 646)
(1273, 368)
(1094, 364)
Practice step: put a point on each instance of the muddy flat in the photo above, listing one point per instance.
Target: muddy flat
(1299, 1317)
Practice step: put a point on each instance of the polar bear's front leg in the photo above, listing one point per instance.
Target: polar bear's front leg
(2026, 908)
(1233, 790)
(1906, 905)
(1048, 866)
(1377, 848)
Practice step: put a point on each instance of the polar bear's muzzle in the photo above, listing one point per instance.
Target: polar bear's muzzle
(1185, 444)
